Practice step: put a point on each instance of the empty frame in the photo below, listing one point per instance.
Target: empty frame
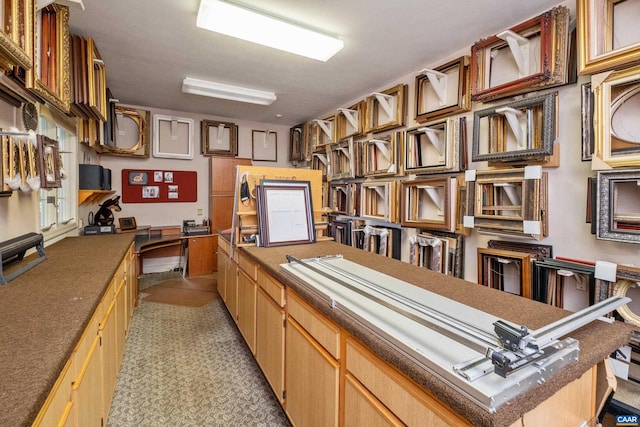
(443, 91)
(618, 206)
(517, 130)
(429, 203)
(386, 110)
(172, 137)
(530, 55)
(435, 147)
(608, 34)
(219, 138)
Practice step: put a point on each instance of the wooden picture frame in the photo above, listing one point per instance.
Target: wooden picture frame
(342, 159)
(518, 130)
(386, 110)
(530, 55)
(429, 203)
(438, 251)
(131, 129)
(435, 147)
(5, 191)
(299, 142)
(128, 223)
(285, 212)
(510, 202)
(172, 137)
(349, 122)
(553, 278)
(379, 200)
(219, 138)
(443, 91)
(617, 105)
(17, 34)
(341, 198)
(618, 211)
(380, 156)
(48, 153)
(507, 271)
(324, 131)
(320, 161)
(607, 34)
(264, 145)
(587, 108)
(50, 78)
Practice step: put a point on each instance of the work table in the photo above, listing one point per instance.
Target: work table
(43, 313)
(597, 339)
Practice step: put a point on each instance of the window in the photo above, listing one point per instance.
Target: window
(58, 206)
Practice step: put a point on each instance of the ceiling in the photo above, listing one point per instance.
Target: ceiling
(149, 46)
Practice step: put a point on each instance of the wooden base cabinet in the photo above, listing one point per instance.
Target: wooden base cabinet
(246, 317)
(270, 332)
(82, 394)
(202, 255)
(312, 380)
(223, 259)
(362, 408)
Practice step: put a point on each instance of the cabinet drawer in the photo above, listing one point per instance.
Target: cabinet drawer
(410, 403)
(223, 244)
(248, 266)
(319, 327)
(271, 286)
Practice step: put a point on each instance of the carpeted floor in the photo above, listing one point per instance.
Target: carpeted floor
(188, 366)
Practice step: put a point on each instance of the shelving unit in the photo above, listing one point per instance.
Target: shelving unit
(87, 197)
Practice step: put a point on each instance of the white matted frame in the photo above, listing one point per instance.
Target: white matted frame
(608, 34)
(285, 212)
(172, 137)
(264, 145)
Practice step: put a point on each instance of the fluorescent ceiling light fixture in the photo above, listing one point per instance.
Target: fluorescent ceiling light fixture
(225, 91)
(236, 21)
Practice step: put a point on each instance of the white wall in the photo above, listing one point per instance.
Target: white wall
(158, 214)
(569, 235)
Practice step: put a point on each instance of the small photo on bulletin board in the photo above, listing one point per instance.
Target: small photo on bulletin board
(159, 186)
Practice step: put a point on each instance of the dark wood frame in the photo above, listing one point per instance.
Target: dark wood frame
(299, 142)
(127, 223)
(552, 26)
(463, 103)
(208, 147)
(268, 151)
(49, 161)
(490, 269)
(587, 104)
(267, 233)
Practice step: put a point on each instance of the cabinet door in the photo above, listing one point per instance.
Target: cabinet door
(108, 349)
(311, 380)
(57, 408)
(270, 341)
(246, 317)
(202, 255)
(121, 322)
(231, 277)
(221, 283)
(87, 389)
(363, 409)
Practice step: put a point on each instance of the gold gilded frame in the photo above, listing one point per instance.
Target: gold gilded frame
(461, 86)
(595, 34)
(380, 156)
(142, 122)
(52, 81)
(607, 95)
(16, 39)
(220, 147)
(447, 139)
(343, 126)
(374, 109)
(324, 131)
(341, 159)
(97, 80)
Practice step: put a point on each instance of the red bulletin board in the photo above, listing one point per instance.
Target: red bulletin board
(159, 186)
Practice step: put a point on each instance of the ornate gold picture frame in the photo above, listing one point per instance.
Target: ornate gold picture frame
(219, 138)
(386, 110)
(131, 133)
(349, 122)
(16, 35)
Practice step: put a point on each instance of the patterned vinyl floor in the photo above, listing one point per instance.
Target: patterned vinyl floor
(187, 366)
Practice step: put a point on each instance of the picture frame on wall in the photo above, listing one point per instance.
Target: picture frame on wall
(219, 138)
(264, 145)
(48, 159)
(131, 130)
(172, 137)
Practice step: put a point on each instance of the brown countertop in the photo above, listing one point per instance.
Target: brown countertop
(43, 313)
(597, 339)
